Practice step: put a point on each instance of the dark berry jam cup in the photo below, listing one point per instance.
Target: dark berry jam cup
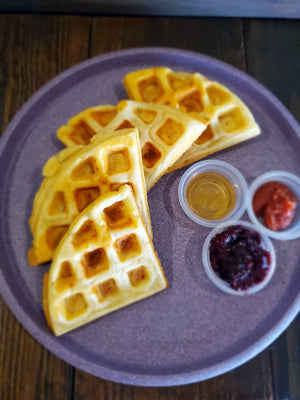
(293, 183)
(224, 285)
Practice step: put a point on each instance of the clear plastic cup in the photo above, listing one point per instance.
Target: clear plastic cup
(228, 171)
(222, 284)
(293, 183)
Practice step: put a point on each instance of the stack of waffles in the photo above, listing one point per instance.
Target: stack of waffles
(165, 133)
(74, 179)
(229, 119)
(91, 216)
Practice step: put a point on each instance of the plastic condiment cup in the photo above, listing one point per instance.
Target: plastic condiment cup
(222, 284)
(228, 171)
(293, 183)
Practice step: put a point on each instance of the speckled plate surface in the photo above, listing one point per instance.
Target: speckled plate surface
(191, 331)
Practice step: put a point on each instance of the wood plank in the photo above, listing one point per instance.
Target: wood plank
(251, 381)
(27, 370)
(223, 39)
(248, 382)
(286, 363)
(33, 50)
(185, 8)
(273, 58)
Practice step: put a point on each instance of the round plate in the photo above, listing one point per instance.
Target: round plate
(191, 331)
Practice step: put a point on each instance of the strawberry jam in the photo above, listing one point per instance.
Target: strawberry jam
(275, 204)
(237, 256)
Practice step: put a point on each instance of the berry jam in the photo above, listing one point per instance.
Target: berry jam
(237, 256)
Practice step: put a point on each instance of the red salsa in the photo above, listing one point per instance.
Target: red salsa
(275, 204)
(238, 257)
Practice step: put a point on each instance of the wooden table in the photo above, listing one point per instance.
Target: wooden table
(34, 49)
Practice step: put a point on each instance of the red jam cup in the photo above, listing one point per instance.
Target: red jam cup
(293, 183)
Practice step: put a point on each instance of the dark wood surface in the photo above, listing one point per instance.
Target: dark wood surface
(34, 49)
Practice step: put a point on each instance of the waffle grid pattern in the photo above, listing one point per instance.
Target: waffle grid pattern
(230, 120)
(92, 275)
(79, 180)
(165, 133)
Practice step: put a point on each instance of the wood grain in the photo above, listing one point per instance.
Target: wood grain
(285, 353)
(220, 38)
(33, 50)
(251, 381)
(273, 58)
(28, 371)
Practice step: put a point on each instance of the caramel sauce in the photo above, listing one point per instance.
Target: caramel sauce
(211, 196)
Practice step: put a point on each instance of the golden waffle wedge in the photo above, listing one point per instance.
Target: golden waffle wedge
(230, 120)
(165, 133)
(91, 277)
(75, 178)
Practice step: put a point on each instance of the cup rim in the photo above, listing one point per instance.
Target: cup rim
(223, 285)
(240, 185)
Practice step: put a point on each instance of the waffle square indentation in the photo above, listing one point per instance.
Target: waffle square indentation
(81, 133)
(232, 121)
(138, 276)
(205, 137)
(103, 117)
(75, 305)
(128, 247)
(107, 288)
(150, 89)
(117, 215)
(66, 277)
(86, 196)
(54, 235)
(150, 155)
(95, 262)
(124, 125)
(118, 162)
(85, 169)
(179, 80)
(217, 96)
(191, 102)
(85, 233)
(58, 204)
(170, 131)
(147, 116)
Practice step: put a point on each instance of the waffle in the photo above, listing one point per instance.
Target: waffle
(91, 276)
(229, 119)
(165, 133)
(75, 178)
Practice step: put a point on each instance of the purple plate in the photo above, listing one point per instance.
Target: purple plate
(191, 331)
